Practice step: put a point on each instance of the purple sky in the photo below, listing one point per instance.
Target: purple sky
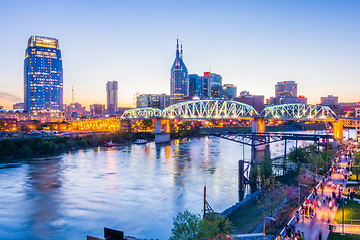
(252, 44)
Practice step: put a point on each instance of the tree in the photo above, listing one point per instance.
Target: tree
(145, 124)
(273, 194)
(297, 155)
(316, 161)
(186, 226)
(266, 168)
(2, 126)
(254, 174)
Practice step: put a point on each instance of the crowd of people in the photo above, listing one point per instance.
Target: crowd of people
(325, 202)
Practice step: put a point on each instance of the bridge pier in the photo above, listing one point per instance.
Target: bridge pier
(162, 130)
(338, 134)
(258, 126)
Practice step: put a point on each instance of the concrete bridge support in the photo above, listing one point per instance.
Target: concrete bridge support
(258, 125)
(162, 130)
(338, 134)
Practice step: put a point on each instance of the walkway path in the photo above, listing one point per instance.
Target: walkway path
(312, 228)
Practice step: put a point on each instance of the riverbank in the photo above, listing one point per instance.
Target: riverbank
(38, 146)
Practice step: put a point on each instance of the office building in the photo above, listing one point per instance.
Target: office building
(112, 96)
(159, 101)
(43, 75)
(256, 101)
(210, 80)
(18, 106)
(350, 107)
(330, 100)
(217, 92)
(286, 89)
(179, 81)
(74, 110)
(195, 86)
(230, 90)
(215, 79)
(97, 109)
(286, 93)
(333, 103)
(206, 86)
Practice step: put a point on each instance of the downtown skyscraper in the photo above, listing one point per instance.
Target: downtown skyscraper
(43, 75)
(112, 96)
(179, 81)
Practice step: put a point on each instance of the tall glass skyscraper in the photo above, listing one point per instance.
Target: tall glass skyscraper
(179, 81)
(43, 75)
(112, 96)
(195, 86)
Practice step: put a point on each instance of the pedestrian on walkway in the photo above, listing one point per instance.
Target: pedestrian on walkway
(303, 215)
(297, 216)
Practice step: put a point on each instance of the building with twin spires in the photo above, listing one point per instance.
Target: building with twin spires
(179, 81)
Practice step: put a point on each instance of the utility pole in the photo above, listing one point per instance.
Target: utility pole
(204, 201)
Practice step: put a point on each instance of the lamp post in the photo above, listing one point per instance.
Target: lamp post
(271, 218)
(343, 202)
(301, 185)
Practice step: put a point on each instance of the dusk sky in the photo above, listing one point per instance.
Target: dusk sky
(252, 44)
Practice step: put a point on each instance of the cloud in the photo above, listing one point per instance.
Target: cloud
(10, 97)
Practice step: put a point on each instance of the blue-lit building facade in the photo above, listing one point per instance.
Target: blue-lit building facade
(195, 86)
(206, 85)
(215, 79)
(159, 101)
(43, 75)
(179, 81)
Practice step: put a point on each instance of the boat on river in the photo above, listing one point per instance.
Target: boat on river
(140, 141)
(110, 144)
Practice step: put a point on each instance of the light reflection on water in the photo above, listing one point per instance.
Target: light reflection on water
(135, 188)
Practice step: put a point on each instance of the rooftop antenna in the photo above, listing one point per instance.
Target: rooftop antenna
(72, 92)
(210, 66)
(181, 52)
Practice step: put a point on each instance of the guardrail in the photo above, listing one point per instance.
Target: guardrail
(348, 221)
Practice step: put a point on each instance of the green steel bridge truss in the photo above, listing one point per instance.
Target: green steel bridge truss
(223, 109)
(298, 112)
(209, 109)
(142, 113)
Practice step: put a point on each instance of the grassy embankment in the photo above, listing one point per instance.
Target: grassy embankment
(248, 216)
(351, 211)
(337, 236)
(36, 146)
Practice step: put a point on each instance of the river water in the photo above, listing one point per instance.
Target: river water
(137, 189)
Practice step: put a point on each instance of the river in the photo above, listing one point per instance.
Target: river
(137, 189)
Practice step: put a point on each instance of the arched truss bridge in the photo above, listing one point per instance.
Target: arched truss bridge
(199, 109)
(142, 113)
(209, 109)
(223, 109)
(299, 112)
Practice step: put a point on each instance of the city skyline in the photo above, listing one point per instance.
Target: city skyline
(251, 45)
